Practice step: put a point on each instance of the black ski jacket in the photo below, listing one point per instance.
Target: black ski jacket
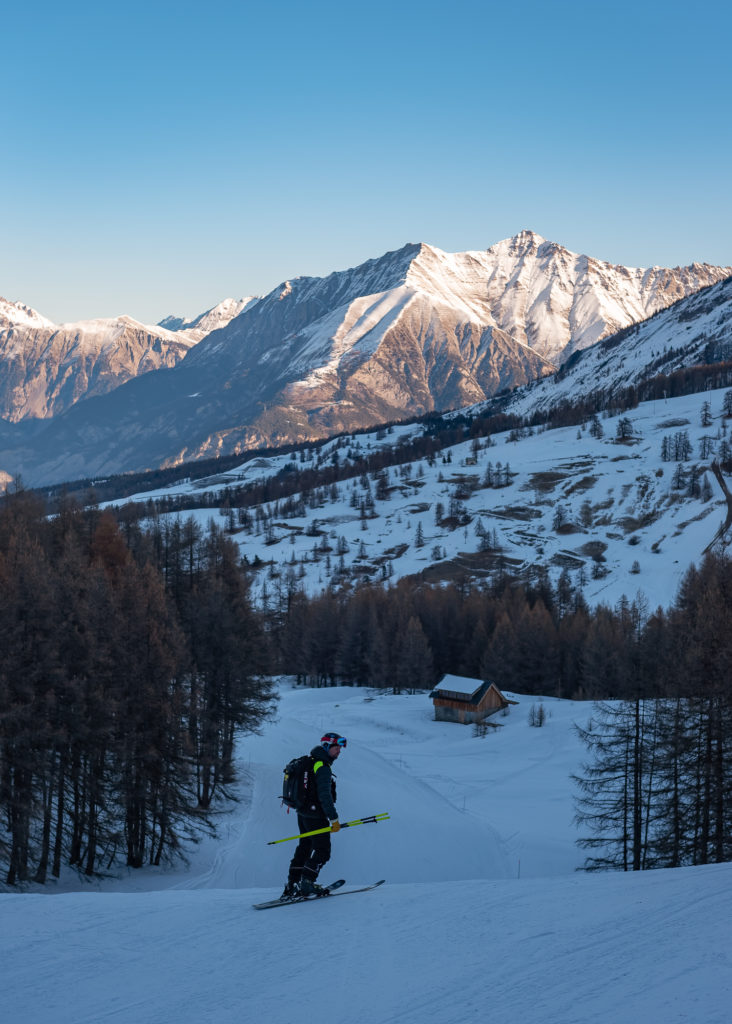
(325, 787)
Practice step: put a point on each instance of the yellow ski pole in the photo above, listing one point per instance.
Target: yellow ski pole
(384, 816)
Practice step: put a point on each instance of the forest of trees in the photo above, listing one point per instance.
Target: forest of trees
(131, 654)
(533, 638)
(126, 666)
(130, 657)
(657, 791)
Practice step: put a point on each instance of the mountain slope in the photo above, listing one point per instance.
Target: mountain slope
(590, 950)
(186, 945)
(616, 514)
(693, 331)
(414, 331)
(46, 368)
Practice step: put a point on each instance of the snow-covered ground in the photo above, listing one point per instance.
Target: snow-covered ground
(483, 916)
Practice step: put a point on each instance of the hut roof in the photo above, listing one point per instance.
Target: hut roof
(462, 688)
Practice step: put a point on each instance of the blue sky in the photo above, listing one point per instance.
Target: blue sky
(160, 157)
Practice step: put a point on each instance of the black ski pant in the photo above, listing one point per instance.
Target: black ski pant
(312, 851)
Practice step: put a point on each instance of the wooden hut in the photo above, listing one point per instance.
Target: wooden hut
(459, 699)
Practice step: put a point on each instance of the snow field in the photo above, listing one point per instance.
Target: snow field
(455, 936)
(584, 949)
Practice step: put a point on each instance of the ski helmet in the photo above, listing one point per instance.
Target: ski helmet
(332, 739)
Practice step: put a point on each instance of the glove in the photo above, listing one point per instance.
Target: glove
(335, 826)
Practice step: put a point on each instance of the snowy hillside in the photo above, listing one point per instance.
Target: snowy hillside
(482, 916)
(611, 512)
(680, 336)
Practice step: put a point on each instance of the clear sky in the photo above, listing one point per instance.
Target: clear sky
(160, 156)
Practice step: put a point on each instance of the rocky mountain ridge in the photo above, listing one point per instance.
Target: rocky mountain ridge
(414, 331)
(212, 320)
(696, 331)
(551, 299)
(46, 368)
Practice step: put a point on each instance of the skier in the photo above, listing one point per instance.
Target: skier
(314, 851)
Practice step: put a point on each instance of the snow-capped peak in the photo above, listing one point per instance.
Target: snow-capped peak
(211, 320)
(525, 243)
(17, 314)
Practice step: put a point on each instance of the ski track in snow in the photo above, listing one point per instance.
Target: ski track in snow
(453, 937)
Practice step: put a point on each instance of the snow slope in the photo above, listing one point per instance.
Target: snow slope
(675, 337)
(462, 932)
(647, 532)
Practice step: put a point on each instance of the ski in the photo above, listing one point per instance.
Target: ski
(299, 899)
(364, 888)
(310, 899)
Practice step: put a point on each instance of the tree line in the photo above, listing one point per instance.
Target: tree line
(130, 656)
(657, 788)
(529, 636)
(126, 666)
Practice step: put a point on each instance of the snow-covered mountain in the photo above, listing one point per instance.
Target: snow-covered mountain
(16, 314)
(557, 301)
(45, 368)
(212, 320)
(421, 329)
(400, 335)
(694, 331)
(413, 331)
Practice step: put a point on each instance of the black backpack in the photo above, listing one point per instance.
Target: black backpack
(298, 784)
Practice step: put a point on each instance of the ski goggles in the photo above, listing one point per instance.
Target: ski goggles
(333, 740)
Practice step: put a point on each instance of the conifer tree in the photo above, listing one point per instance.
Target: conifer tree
(414, 667)
(614, 786)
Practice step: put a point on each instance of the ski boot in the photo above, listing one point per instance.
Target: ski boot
(308, 888)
